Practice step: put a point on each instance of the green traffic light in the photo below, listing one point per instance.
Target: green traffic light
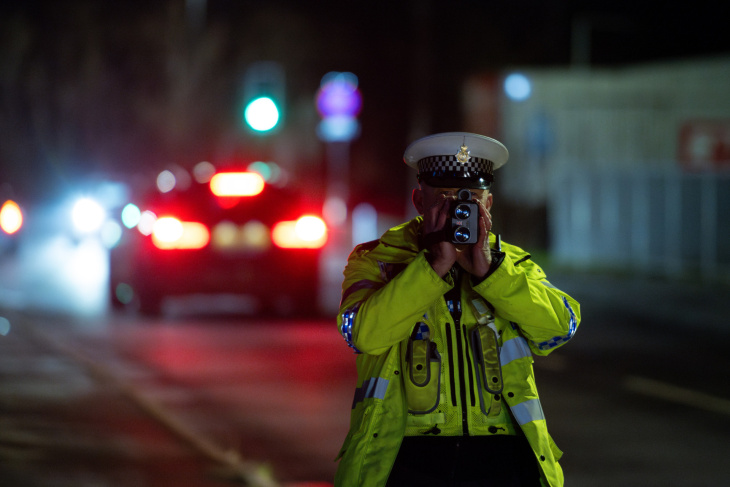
(261, 114)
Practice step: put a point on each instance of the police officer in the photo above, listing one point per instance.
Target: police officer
(445, 334)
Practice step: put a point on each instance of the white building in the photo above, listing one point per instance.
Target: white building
(632, 164)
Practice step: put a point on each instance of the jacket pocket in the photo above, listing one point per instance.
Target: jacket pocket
(485, 350)
(423, 372)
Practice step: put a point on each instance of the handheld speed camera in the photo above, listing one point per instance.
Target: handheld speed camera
(464, 219)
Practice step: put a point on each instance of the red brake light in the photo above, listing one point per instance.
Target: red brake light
(171, 233)
(308, 232)
(237, 184)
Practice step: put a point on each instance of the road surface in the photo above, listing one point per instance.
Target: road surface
(638, 398)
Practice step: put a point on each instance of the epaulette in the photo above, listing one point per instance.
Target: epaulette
(367, 246)
(518, 254)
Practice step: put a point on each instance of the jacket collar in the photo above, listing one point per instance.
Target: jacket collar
(404, 236)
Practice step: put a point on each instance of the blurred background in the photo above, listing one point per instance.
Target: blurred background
(115, 118)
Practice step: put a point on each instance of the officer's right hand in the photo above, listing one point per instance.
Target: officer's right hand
(441, 253)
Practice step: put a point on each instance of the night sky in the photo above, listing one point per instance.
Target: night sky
(86, 86)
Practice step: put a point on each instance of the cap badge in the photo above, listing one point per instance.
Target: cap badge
(463, 155)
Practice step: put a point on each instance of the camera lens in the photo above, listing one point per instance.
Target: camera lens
(462, 212)
(462, 234)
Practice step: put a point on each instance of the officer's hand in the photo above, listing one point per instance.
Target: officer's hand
(477, 258)
(442, 254)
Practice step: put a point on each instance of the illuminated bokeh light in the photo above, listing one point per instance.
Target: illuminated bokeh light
(262, 114)
(306, 232)
(310, 228)
(517, 87)
(146, 222)
(167, 229)
(11, 217)
(225, 235)
(270, 171)
(131, 215)
(339, 96)
(237, 184)
(252, 236)
(171, 233)
(166, 181)
(124, 293)
(87, 215)
(256, 235)
(203, 171)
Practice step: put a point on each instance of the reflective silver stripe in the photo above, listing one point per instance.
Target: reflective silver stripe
(373, 387)
(513, 349)
(348, 320)
(528, 411)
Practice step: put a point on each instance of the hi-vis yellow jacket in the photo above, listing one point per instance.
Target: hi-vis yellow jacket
(389, 286)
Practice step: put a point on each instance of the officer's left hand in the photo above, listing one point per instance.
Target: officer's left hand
(476, 259)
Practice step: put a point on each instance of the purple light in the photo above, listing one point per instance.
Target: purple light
(339, 96)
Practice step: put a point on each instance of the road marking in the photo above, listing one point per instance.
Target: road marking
(232, 464)
(679, 395)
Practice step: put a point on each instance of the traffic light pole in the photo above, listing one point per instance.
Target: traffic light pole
(338, 170)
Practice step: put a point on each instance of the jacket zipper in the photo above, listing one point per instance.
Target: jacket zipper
(452, 372)
(469, 367)
(454, 295)
(462, 382)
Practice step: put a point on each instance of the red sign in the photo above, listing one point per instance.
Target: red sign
(705, 145)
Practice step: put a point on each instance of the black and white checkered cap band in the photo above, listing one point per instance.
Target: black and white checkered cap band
(449, 164)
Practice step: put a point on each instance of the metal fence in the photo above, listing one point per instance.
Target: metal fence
(662, 222)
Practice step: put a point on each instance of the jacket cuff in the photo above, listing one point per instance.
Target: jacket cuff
(446, 280)
(497, 259)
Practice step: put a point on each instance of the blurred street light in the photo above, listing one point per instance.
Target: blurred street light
(11, 217)
(517, 87)
(88, 215)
